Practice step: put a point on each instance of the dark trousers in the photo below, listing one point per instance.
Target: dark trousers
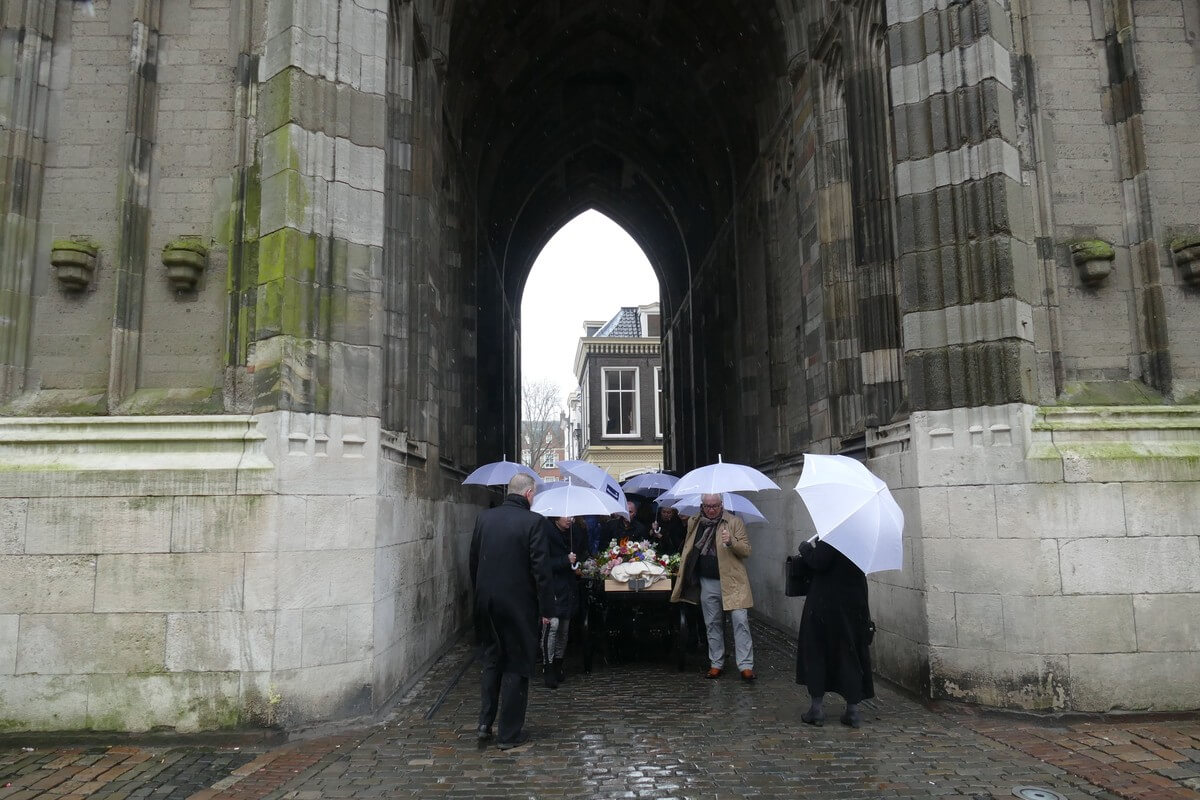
(508, 690)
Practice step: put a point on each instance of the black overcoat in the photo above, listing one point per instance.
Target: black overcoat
(510, 573)
(833, 652)
(566, 585)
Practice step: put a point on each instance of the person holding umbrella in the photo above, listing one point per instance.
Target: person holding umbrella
(859, 531)
(833, 650)
(563, 561)
(713, 576)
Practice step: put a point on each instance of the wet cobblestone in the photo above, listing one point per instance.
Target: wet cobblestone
(644, 730)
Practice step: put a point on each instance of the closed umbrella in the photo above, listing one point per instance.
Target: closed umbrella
(498, 473)
(853, 511)
(720, 478)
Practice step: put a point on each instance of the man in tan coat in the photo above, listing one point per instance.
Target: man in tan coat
(712, 575)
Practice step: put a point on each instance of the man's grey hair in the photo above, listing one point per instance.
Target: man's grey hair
(520, 483)
(712, 499)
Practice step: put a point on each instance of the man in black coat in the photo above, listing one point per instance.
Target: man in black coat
(510, 574)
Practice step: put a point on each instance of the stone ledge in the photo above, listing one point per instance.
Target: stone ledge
(114, 444)
(1117, 443)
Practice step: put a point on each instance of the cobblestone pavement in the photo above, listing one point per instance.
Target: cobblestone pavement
(639, 730)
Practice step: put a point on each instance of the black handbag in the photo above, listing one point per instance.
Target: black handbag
(797, 577)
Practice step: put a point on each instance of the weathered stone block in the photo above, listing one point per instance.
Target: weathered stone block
(45, 702)
(1001, 566)
(186, 702)
(898, 609)
(220, 641)
(8, 643)
(1060, 510)
(1003, 680)
(98, 525)
(289, 633)
(1162, 509)
(52, 644)
(325, 692)
(979, 619)
(12, 525)
(939, 611)
(169, 582)
(1167, 622)
(225, 524)
(309, 579)
(1142, 565)
(1135, 681)
(972, 511)
(336, 635)
(47, 584)
(1069, 624)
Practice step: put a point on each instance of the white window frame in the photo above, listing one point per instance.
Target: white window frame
(637, 405)
(658, 402)
(550, 455)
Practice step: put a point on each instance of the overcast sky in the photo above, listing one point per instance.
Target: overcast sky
(588, 271)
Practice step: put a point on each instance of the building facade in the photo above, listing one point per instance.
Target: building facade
(619, 367)
(261, 264)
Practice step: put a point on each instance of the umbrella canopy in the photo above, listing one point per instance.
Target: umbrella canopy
(498, 473)
(733, 502)
(576, 501)
(546, 486)
(853, 511)
(593, 476)
(650, 483)
(720, 478)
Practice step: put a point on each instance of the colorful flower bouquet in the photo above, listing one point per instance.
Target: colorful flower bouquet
(625, 551)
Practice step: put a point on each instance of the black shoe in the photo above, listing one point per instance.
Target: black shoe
(483, 732)
(550, 676)
(852, 719)
(522, 738)
(812, 717)
(560, 671)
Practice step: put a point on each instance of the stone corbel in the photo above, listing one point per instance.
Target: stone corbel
(74, 262)
(1093, 259)
(185, 259)
(1186, 252)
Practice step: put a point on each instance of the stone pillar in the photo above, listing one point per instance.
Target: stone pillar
(965, 249)
(26, 34)
(133, 201)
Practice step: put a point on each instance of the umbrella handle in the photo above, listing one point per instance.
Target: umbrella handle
(813, 538)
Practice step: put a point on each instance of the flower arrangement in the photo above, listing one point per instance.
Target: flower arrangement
(623, 551)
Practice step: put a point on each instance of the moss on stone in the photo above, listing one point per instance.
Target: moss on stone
(58, 403)
(1184, 242)
(1091, 250)
(197, 400)
(1109, 393)
(78, 244)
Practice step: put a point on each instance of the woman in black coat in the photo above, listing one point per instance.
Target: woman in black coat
(562, 560)
(833, 650)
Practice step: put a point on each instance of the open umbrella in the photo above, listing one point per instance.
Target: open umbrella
(733, 502)
(720, 478)
(650, 483)
(853, 511)
(546, 486)
(576, 501)
(593, 476)
(498, 473)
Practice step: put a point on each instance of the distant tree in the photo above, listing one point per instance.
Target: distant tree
(541, 404)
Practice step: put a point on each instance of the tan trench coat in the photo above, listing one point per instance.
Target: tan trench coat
(735, 583)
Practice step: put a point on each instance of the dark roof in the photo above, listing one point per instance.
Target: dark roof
(627, 324)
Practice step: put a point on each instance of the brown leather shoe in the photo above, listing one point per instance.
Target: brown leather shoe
(713, 672)
(748, 675)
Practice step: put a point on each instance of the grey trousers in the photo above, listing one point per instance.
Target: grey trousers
(714, 622)
(554, 638)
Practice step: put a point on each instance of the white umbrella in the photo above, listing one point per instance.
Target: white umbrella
(650, 482)
(498, 473)
(576, 501)
(853, 511)
(593, 476)
(733, 502)
(720, 478)
(546, 486)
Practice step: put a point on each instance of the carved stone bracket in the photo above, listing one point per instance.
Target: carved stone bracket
(74, 262)
(1092, 259)
(1186, 252)
(185, 259)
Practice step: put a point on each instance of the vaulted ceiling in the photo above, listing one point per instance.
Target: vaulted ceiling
(644, 109)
